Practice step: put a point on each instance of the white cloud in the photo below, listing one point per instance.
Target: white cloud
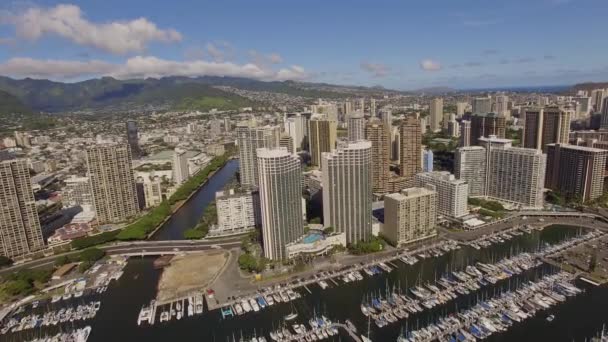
(68, 21)
(57, 69)
(141, 67)
(376, 69)
(430, 65)
(263, 59)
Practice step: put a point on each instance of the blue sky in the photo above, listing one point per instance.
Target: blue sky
(398, 44)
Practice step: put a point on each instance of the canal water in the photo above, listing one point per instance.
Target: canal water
(189, 214)
(576, 320)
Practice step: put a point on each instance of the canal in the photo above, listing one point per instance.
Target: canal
(189, 214)
(577, 319)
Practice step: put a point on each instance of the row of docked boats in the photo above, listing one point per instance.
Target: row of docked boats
(394, 306)
(497, 238)
(262, 301)
(548, 250)
(499, 313)
(51, 318)
(78, 335)
(319, 328)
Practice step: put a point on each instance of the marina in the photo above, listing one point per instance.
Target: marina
(332, 294)
(498, 314)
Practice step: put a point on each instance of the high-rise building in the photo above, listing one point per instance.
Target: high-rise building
(280, 191)
(576, 171)
(411, 144)
(286, 141)
(227, 124)
(513, 174)
(249, 139)
(372, 107)
(377, 133)
(410, 215)
(470, 165)
(133, 138)
(461, 108)
(484, 125)
(77, 192)
(386, 115)
(502, 105)
(482, 105)
(296, 125)
(453, 127)
(544, 126)
(362, 105)
(604, 121)
(436, 114)
(237, 211)
(347, 190)
(427, 160)
(395, 144)
(323, 132)
(112, 182)
(180, 166)
(597, 99)
(20, 231)
(465, 133)
(356, 126)
(452, 193)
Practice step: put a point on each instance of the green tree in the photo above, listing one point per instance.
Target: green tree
(91, 255)
(5, 261)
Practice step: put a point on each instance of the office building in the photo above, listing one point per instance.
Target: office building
(410, 147)
(112, 182)
(20, 231)
(484, 125)
(427, 160)
(296, 125)
(452, 193)
(181, 171)
(410, 215)
(470, 165)
(250, 138)
(453, 127)
(356, 126)
(436, 114)
(377, 133)
(482, 105)
(77, 192)
(544, 126)
(323, 132)
(227, 124)
(237, 212)
(347, 190)
(280, 191)
(576, 172)
(153, 191)
(133, 138)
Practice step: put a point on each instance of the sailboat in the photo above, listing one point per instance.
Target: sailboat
(293, 314)
(366, 338)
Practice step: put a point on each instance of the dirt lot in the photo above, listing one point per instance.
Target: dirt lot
(191, 272)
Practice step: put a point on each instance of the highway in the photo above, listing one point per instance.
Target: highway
(140, 248)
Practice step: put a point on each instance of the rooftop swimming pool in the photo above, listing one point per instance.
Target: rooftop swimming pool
(312, 237)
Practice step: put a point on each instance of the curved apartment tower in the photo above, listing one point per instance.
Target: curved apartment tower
(280, 176)
(347, 190)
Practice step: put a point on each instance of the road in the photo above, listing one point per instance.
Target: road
(139, 247)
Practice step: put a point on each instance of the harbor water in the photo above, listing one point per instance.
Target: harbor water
(575, 320)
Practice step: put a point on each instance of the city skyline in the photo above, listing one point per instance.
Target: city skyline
(469, 45)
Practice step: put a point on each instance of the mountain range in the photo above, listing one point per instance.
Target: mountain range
(173, 92)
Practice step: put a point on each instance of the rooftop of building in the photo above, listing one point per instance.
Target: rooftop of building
(272, 153)
(410, 193)
(579, 148)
